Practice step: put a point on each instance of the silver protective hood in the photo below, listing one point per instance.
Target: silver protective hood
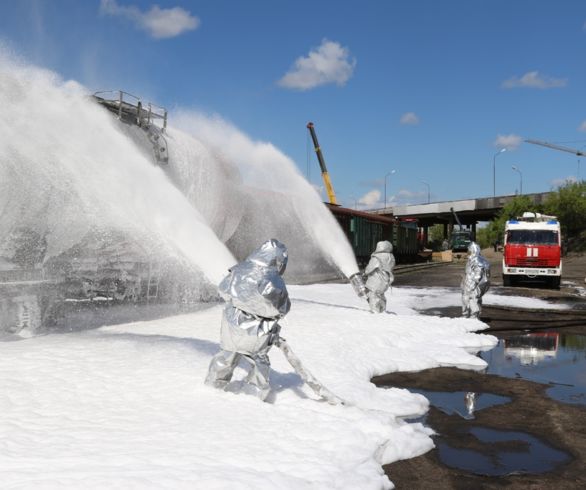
(474, 249)
(256, 286)
(272, 254)
(384, 246)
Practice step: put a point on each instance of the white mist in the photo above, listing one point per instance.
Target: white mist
(263, 166)
(65, 167)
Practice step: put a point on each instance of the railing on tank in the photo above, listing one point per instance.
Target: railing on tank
(131, 110)
(129, 106)
(22, 275)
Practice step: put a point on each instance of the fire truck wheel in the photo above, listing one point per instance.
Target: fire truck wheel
(507, 280)
(555, 282)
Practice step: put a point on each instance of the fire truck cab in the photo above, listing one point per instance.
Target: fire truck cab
(532, 249)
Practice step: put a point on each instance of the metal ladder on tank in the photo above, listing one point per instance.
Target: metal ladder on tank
(152, 287)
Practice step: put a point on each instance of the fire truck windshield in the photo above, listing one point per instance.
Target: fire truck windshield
(533, 237)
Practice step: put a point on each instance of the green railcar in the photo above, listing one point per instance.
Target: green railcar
(365, 230)
(365, 234)
(405, 241)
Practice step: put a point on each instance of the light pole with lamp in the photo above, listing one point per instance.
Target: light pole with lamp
(520, 179)
(390, 173)
(494, 170)
(428, 191)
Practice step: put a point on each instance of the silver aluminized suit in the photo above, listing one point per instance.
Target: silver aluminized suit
(475, 282)
(256, 298)
(379, 276)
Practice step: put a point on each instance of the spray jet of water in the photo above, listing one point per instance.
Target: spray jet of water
(66, 168)
(263, 166)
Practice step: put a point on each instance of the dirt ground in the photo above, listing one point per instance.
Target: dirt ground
(574, 270)
(560, 425)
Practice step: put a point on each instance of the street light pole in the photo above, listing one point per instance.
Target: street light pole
(428, 191)
(494, 170)
(390, 173)
(520, 179)
(579, 179)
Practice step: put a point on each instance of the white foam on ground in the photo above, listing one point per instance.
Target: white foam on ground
(125, 406)
(424, 298)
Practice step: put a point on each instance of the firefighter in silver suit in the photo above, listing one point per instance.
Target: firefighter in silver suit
(379, 276)
(475, 282)
(256, 299)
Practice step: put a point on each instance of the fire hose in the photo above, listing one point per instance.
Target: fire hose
(311, 381)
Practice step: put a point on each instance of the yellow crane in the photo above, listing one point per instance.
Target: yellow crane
(322, 164)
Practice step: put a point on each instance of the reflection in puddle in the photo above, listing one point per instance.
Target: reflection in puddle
(552, 358)
(504, 453)
(461, 403)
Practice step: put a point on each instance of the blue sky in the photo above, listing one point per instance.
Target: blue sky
(431, 89)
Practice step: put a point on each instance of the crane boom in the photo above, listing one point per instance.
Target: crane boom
(457, 219)
(322, 164)
(556, 147)
(461, 239)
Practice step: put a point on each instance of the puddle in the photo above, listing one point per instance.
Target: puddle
(502, 453)
(515, 438)
(462, 403)
(578, 289)
(552, 358)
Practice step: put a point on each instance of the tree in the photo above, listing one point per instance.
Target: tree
(435, 236)
(516, 207)
(436, 233)
(483, 238)
(569, 205)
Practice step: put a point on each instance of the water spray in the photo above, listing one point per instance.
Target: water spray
(68, 168)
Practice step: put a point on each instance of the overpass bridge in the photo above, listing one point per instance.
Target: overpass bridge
(469, 211)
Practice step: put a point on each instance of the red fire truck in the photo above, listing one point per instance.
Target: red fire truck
(532, 249)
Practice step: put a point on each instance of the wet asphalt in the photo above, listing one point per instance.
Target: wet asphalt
(537, 442)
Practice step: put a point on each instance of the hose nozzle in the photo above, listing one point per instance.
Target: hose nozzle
(358, 284)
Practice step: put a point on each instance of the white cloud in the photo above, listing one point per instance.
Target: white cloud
(159, 22)
(563, 181)
(410, 118)
(329, 63)
(508, 141)
(405, 194)
(372, 183)
(374, 199)
(406, 197)
(401, 198)
(582, 126)
(533, 79)
(370, 199)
